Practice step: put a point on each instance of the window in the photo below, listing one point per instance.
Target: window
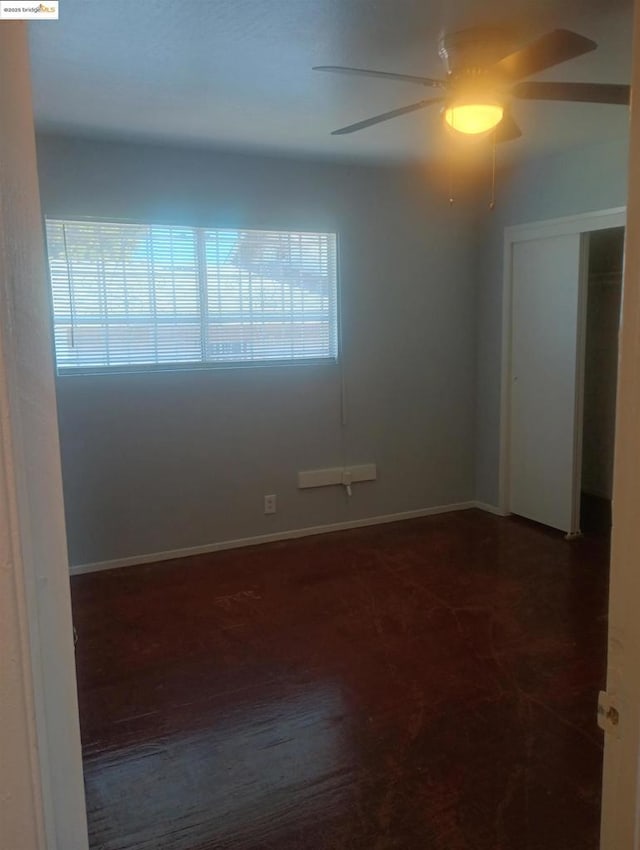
(138, 296)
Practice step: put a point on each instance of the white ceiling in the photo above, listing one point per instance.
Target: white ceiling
(237, 73)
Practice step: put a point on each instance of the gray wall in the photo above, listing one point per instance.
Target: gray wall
(166, 460)
(593, 178)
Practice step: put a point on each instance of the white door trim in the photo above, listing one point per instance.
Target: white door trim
(583, 223)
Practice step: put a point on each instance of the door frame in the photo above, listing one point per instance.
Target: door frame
(42, 806)
(581, 224)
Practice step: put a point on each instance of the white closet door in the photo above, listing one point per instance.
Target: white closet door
(546, 278)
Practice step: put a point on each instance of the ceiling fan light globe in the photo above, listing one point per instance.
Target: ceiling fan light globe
(473, 119)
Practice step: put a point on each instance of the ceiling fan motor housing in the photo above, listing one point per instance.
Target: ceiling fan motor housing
(471, 49)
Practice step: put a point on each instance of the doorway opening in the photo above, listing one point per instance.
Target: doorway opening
(604, 298)
(549, 392)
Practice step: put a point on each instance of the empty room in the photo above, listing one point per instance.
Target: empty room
(320, 415)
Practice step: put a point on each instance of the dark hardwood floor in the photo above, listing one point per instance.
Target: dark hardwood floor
(429, 684)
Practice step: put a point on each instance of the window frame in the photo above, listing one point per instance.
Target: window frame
(200, 365)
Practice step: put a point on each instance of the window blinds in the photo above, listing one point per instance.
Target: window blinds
(149, 296)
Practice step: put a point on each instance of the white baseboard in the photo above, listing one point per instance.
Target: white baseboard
(490, 509)
(292, 534)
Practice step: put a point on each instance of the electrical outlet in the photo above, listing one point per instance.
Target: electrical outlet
(270, 504)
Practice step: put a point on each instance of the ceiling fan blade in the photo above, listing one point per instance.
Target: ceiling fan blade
(551, 49)
(507, 130)
(386, 116)
(406, 78)
(578, 92)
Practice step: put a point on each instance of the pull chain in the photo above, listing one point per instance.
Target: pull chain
(492, 201)
(452, 199)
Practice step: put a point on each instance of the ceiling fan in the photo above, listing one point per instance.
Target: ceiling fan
(481, 82)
